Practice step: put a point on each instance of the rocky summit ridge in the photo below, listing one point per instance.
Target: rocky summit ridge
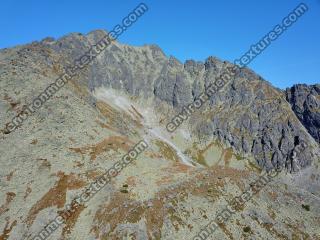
(249, 114)
(184, 178)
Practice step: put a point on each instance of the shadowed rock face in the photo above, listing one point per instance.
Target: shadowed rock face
(305, 102)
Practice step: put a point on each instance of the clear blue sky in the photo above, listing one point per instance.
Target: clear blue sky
(184, 29)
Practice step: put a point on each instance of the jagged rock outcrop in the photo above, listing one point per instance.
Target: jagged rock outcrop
(248, 113)
(305, 102)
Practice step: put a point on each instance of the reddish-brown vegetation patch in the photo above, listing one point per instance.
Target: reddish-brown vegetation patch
(122, 209)
(107, 126)
(114, 143)
(177, 167)
(9, 198)
(93, 174)
(115, 213)
(7, 229)
(118, 120)
(82, 90)
(164, 181)
(28, 191)
(167, 151)
(153, 155)
(56, 196)
(70, 218)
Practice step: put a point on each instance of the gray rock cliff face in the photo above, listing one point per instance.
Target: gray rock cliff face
(248, 114)
(305, 102)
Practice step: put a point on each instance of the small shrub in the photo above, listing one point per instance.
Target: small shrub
(124, 191)
(247, 229)
(306, 207)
